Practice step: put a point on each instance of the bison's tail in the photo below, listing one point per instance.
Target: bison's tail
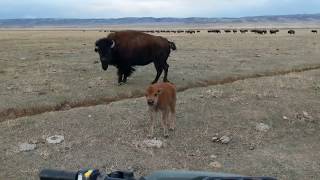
(172, 45)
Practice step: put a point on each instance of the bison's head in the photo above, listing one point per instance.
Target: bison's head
(104, 47)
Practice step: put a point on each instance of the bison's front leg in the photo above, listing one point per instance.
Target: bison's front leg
(120, 75)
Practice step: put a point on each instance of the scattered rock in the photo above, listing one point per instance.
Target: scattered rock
(91, 84)
(251, 147)
(89, 116)
(285, 117)
(28, 90)
(306, 115)
(23, 58)
(215, 139)
(214, 93)
(153, 143)
(257, 55)
(33, 141)
(67, 148)
(212, 156)
(215, 164)
(42, 93)
(259, 96)
(45, 155)
(65, 107)
(262, 127)
(225, 139)
(56, 139)
(27, 147)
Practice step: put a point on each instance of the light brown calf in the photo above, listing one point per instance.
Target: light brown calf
(162, 97)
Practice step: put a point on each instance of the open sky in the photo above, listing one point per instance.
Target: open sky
(153, 8)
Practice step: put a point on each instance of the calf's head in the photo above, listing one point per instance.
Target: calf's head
(152, 95)
(104, 47)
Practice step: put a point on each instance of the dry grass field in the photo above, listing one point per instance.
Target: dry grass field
(222, 91)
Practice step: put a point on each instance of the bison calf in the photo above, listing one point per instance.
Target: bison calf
(162, 97)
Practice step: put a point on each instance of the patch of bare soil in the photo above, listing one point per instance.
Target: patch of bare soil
(271, 125)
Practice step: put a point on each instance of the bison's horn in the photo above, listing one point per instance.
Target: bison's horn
(113, 44)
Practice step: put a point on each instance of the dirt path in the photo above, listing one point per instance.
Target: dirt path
(110, 136)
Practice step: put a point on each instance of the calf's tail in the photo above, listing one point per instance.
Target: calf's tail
(172, 45)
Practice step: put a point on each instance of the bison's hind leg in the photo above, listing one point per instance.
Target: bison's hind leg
(159, 69)
(166, 67)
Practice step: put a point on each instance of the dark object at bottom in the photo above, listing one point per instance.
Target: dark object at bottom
(48, 174)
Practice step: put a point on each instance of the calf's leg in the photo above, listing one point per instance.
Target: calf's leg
(152, 116)
(164, 122)
(172, 124)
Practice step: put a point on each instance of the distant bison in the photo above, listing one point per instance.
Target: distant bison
(126, 49)
(291, 31)
(243, 31)
(314, 31)
(273, 31)
(214, 31)
(259, 31)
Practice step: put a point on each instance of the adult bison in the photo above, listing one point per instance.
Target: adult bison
(274, 31)
(126, 49)
(291, 31)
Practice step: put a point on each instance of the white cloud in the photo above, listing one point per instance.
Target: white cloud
(155, 8)
(167, 8)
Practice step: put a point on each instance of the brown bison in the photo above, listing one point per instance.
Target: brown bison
(214, 31)
(162, 97)
(273, 31)
(243, 31)
(314, 31)
(291, 31)
(126, 49)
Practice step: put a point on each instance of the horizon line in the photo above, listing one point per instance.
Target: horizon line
(139, 17)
